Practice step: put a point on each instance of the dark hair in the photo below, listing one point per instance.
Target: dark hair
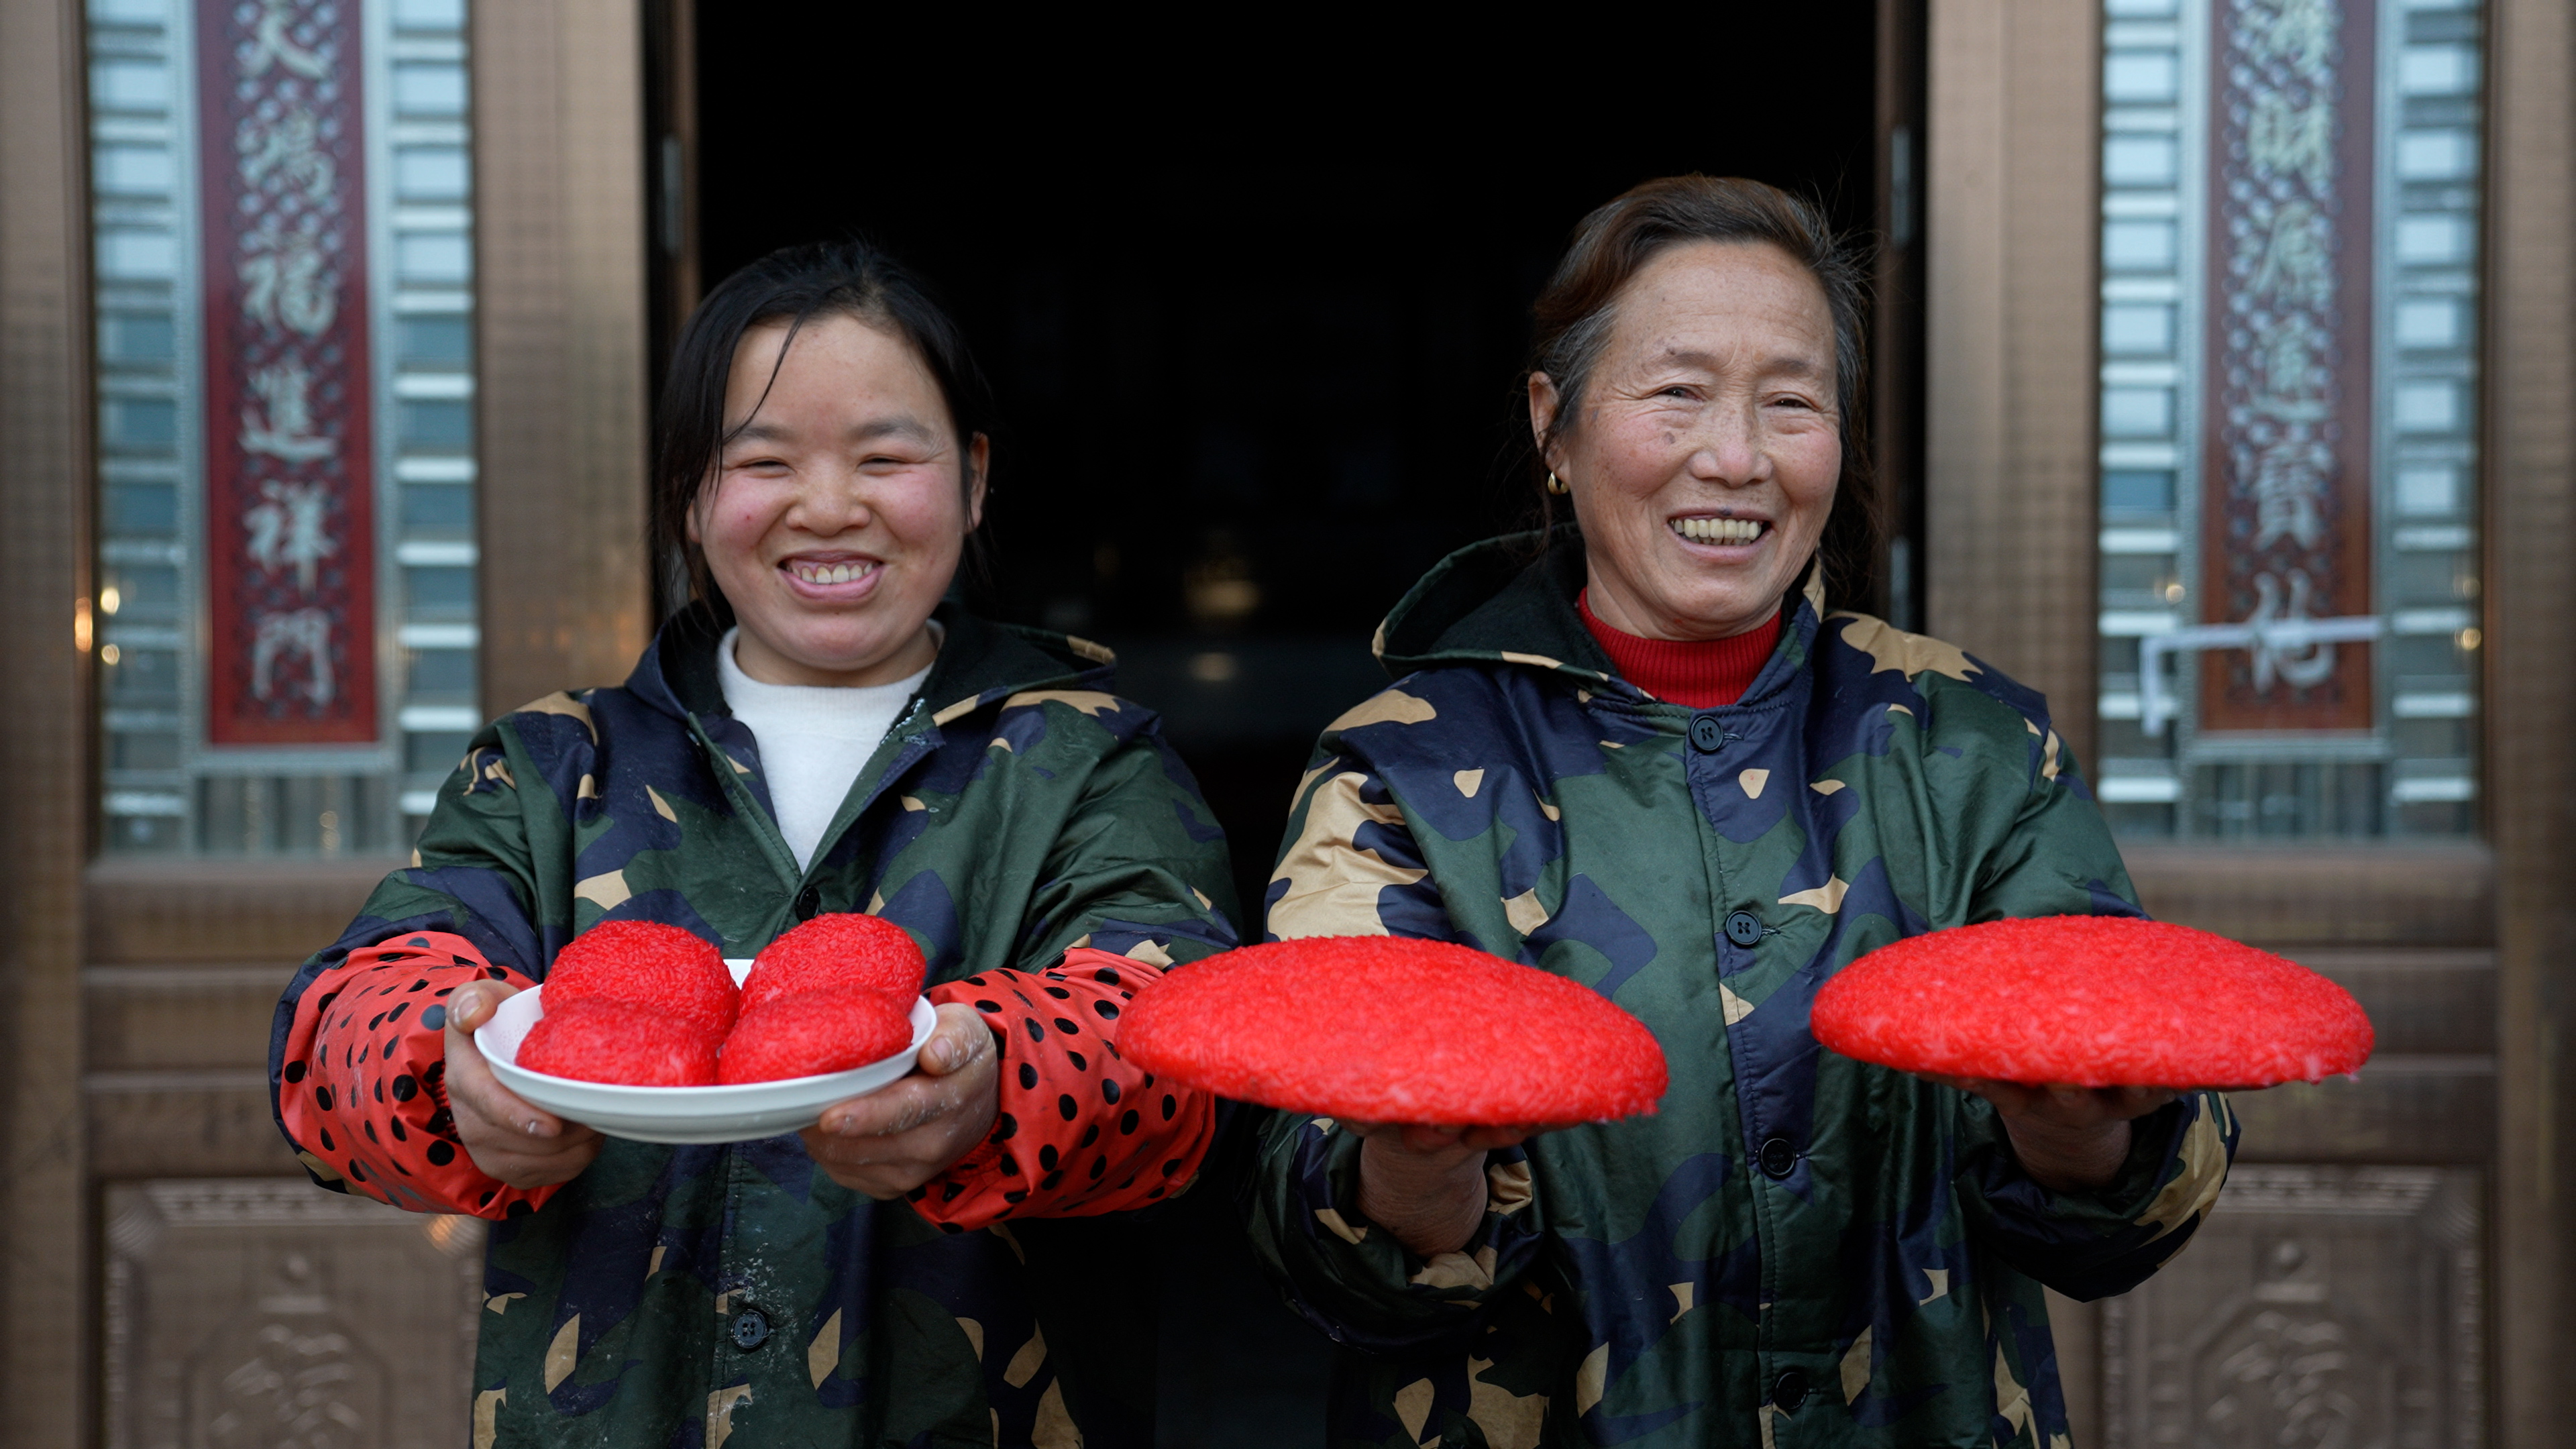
(792, 285)
(1574, 313)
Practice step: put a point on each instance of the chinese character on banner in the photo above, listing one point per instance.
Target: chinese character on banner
(2285, 463)
(290, 517)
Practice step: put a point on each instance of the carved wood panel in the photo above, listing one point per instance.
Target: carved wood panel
(2336, 1307)
(267, 1312)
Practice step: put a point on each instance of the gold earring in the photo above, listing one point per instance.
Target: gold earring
(1556, 484)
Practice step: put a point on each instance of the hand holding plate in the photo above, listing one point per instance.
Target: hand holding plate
(507, 1138)
(899, 1137)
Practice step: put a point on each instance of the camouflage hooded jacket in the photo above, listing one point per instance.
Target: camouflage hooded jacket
(1797, 1249)
(1048, 853)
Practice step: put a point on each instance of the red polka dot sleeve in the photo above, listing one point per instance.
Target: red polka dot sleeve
(363, 1092)
(1080, 1129)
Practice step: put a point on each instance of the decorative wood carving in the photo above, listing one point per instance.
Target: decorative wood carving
(2324, 1306)
(267, 1312)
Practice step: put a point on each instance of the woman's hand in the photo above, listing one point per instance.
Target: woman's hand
(2069, 1139)
(889, 1142)
(1426, 1185)
(506, 1137)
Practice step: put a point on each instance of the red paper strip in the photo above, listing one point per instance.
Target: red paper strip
(290, 522)
(2286, 473)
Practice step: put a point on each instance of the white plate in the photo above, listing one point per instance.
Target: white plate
(685, 1114)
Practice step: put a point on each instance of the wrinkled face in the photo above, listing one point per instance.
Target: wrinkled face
(835, 517)
(1703, 461)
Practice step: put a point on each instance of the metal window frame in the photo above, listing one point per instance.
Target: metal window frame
(177, 792)
(2168, 778)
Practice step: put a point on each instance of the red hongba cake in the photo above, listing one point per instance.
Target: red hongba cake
(814, 1033)
(602, 1041)
(648, 965)
(2091, 1001)
(1386, 1029)
(833, 952)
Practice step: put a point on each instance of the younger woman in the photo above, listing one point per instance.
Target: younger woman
(816, 732)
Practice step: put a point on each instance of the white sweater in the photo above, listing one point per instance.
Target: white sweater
(814, 740)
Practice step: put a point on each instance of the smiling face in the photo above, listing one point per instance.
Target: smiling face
(835, 515)
(1708, 442)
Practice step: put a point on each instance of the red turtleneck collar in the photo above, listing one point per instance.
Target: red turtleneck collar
(1696, 673)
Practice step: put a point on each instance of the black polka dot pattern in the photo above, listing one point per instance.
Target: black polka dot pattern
(362, 1088)
(1068, 1113)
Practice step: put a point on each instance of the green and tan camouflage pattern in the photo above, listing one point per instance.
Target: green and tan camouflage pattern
(1648, 1282)
(1015, 810)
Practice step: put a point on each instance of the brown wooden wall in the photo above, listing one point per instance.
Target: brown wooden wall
(45, 730)
(136, 995)
(2013, 154)
(561, 234)
(2459, 952)
(2531, 689)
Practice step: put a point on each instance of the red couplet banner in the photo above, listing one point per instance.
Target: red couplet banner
(2285, 530)
(290, 522)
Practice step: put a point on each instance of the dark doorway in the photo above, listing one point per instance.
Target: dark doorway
(1258, 354)
(1251, 387)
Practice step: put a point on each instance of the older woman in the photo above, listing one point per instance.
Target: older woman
(1643, 754)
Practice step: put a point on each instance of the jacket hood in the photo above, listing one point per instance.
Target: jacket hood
(1510, 600)
(979, 662)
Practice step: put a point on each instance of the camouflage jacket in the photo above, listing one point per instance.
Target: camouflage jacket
(683, 1295)
(1798, 1249)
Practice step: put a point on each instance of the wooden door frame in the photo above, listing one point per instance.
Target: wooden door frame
(561, 238)
(2013, 116)
(2014, 120)
(46, 408)
(1897, 313)
(2012, 220)
(2530, 450)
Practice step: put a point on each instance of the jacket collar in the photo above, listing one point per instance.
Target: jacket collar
(979, 663)
(1510, 601)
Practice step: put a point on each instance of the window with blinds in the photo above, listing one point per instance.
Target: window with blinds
(286, 607)
(2289, 566)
